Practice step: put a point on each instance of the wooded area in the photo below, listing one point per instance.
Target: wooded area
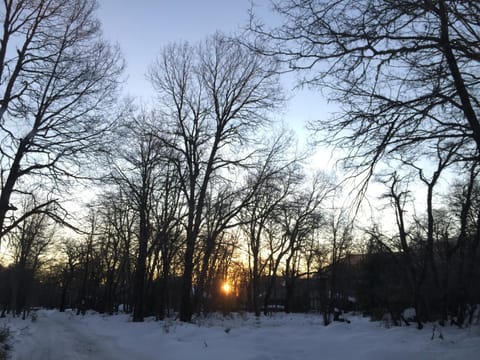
(206, 188)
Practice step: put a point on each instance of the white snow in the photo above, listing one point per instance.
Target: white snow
(409, 314)
(57, 335)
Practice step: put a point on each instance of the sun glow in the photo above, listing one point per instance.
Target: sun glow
(226, 288)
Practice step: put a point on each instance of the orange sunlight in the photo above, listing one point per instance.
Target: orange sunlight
(226, 287)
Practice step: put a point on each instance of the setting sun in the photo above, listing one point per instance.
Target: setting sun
(226, 288)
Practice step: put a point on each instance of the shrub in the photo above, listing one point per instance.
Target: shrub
(4, 345)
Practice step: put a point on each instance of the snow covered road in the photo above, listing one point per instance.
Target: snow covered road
(55, 336)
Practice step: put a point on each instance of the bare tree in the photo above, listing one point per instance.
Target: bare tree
(57, 78)
(339, 237)
(300, 216)
(221, 210)
(67, 269)
(115, 223)
(416, 239)
(88, 255)
(465, 202)
(214, 96)
(168, 239)
(137, 171)
(29, 241)
(274, 178)
(112, 248)
(405, 72)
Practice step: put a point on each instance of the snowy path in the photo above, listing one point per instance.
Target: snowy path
(53, 338)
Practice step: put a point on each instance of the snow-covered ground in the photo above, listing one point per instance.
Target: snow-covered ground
(57, 335)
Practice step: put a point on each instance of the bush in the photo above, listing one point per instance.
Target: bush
(4, 345)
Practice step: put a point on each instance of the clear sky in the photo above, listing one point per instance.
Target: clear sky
(143, 27)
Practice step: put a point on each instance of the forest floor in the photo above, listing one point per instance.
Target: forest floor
(54, 336)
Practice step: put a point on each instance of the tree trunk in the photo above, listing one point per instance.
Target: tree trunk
(460, 86)
(140, 270)
(186, 306)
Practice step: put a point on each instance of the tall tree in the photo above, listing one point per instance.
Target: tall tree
(405, 75)
(465, 201)
(300, 216)
(339, 233)
(29, 242)
(66, 270)
(405, 72)
(57, 78)
(215, 95)
(274, 177)
(168, 238)
(137, 172)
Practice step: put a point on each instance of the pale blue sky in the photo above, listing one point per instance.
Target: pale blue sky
(143, 27)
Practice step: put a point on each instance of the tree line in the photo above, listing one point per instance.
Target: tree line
(205, 187)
